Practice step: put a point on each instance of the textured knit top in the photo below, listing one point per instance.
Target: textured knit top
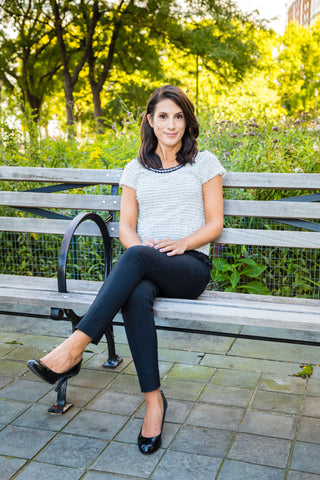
(170, 201)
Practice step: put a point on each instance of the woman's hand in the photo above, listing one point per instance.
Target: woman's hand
(149, 243)
(171, 247)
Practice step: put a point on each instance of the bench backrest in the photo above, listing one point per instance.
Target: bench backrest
(304, 208)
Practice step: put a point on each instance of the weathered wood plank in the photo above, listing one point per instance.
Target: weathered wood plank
(295, 181)
(231, 236)
(272, 238)
(278, 317)
(60, 200)
(272, 209)
(274, 181)
(61, 175)
(58, 227)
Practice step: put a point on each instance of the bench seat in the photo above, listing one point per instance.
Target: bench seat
(210, 308)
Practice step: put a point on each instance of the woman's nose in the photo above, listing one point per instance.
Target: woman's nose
(171, 122)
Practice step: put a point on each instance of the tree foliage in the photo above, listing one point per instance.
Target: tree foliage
(94, 43)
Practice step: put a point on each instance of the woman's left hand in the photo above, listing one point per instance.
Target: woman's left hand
(171, 247)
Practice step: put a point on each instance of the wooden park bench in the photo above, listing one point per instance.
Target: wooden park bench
(64, 297)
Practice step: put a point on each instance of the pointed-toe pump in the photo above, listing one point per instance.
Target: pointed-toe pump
(148, 445)
(48, 375)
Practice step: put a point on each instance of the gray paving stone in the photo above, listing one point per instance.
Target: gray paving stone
(78, 396)
(236, 378)
(164, 368)
(9, 466)
(194, 373)
(232, 470)
(202, 441)
(10, 410)
(6, 348)
(181, 390)
(101, 425)
(311, 407)
(282, 333)
(276, 402)
(24, 353)
(284, 384)
(47, 341)
(97, 360)
(313, 387)
(193, 341)
(188, 466)
(215, 416)
(273, 452)
(98, 379)
(5, 381)
(22, 442)
(38, 417)
(65, 450)
(179, 356)
(306, 458)
(132, 461)
(126, 384)
(12, 368)
(176, 413)
(309, 430)
(36, 471)
(129, 433)
(270, 424)
(302, 476)
(223, 395)
(115, 402)
(276, 351)
(107, 476)
(248, 364)
(27, 391)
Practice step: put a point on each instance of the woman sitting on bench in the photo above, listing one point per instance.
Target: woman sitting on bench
(171, 209)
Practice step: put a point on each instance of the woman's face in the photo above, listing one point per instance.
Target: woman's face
(168, 124)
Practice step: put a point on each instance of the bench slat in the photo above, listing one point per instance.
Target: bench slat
(280, 316)
(291, 181)
(60, 200)
(273, 181)
(231, 236)
(61, 175)
(57, 227)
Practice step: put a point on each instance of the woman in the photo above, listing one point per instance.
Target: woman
(171, 209)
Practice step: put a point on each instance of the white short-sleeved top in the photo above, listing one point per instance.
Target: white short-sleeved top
(170, 201)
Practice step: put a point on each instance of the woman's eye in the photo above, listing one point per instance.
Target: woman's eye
(180, 116)
(162, 116)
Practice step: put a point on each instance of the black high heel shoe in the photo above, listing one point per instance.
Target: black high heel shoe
(148, 445)
(48, 375)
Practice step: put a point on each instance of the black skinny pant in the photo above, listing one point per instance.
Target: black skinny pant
(141, 274)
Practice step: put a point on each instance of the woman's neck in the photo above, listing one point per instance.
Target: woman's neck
(167, 156)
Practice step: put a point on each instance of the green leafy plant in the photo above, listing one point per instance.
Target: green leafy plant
(235, 273)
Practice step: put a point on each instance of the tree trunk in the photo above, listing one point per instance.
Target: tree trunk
(97, 108)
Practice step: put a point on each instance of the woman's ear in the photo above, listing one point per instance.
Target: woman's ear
(149, 118)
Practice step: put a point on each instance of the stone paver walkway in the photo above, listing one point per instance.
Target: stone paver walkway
(236, 412)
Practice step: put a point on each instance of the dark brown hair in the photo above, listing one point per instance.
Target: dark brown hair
(189, 149)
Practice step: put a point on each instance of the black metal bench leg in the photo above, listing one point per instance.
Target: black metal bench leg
(113, 360)
(61, 406)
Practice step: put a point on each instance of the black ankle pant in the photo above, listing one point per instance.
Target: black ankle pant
(141, 274)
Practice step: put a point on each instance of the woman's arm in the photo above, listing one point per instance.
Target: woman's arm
(213, 209)
(128, 218)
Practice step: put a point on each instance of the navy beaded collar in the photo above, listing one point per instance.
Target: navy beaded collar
(165, 170)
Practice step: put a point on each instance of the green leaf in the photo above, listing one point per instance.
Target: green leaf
(253, 270)
(234, 279)
(255, 287)
(221, 264)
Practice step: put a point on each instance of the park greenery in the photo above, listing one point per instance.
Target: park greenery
(75, 77)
